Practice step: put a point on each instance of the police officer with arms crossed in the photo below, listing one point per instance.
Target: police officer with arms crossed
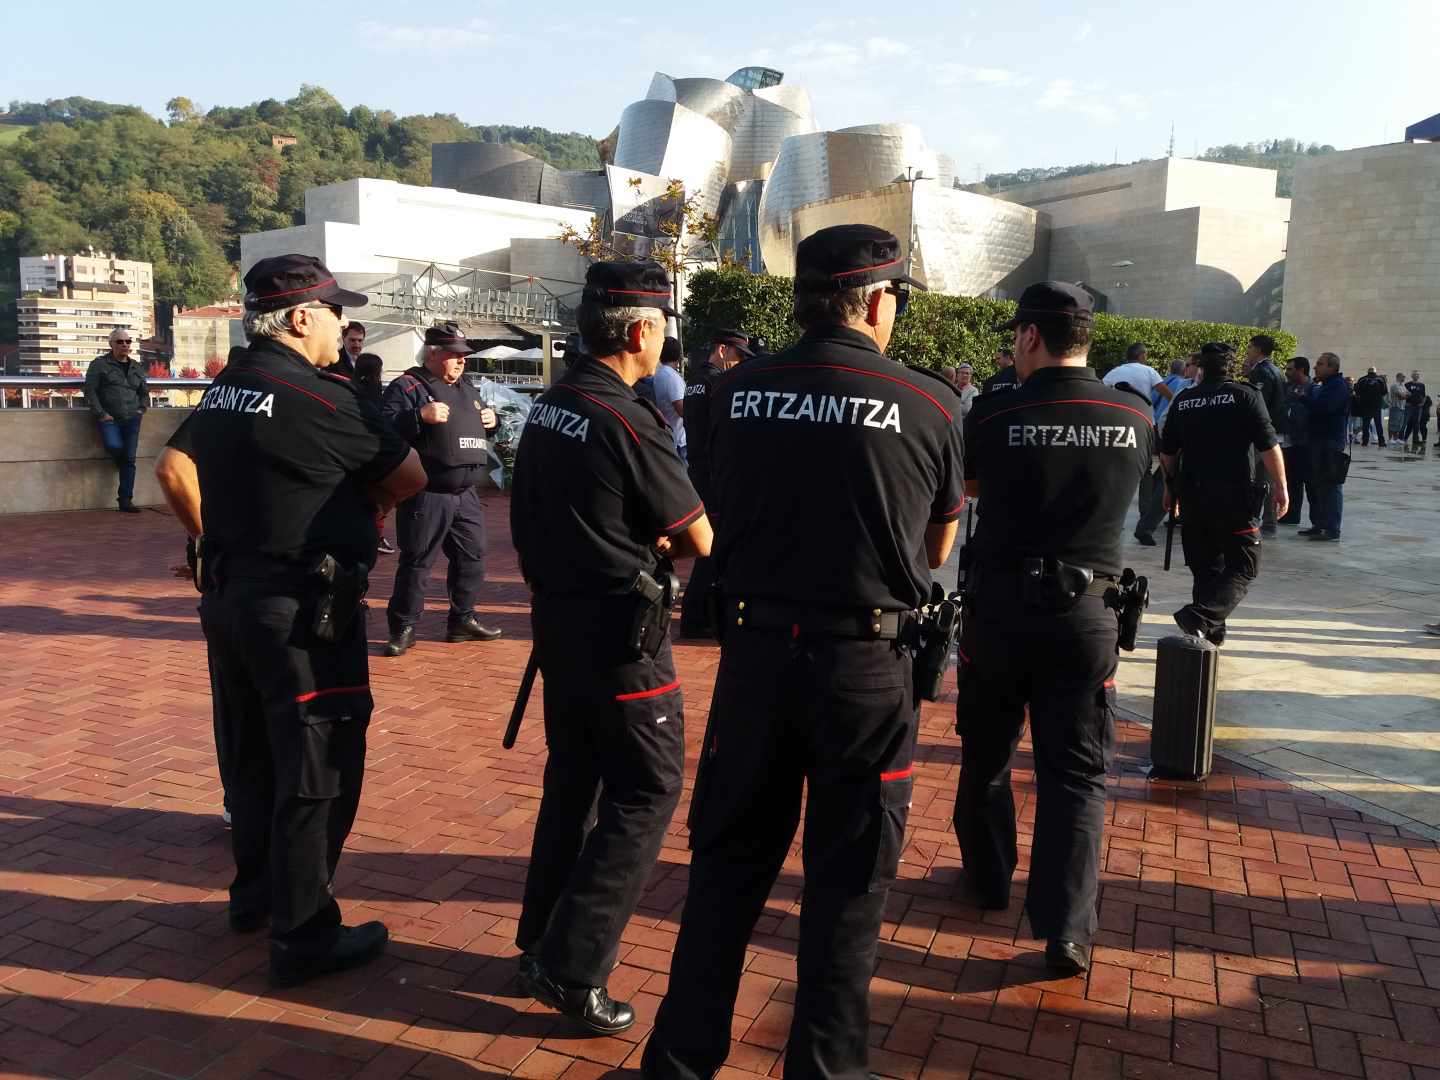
(282, 467)
(1055, 463)
(837, 478)
(729, 348)
(442, 416)
(598, 488)
(1213, 434)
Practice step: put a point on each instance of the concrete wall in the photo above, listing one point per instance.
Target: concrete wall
(1362, 277)
(51, 459)
(1239, 262)
(1079, 200)
(1161, 247)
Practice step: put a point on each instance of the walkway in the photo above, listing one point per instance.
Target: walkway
(1250, 929)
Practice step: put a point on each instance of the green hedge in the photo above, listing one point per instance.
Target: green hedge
(944, 331)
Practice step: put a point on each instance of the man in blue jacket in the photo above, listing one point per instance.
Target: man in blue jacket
(1329, 409)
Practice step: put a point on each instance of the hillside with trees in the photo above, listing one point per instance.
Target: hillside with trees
(1278, 154)
(180, 192)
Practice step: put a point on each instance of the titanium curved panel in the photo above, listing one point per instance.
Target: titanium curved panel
(792, 97)
(668, 140)
(760, 135)
(719, 101)
(662, 88)
(453, 165)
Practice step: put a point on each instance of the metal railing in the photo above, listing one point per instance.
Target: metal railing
(68, 391)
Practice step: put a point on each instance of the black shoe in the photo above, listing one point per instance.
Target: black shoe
(247, 922)
(590, 1006)
(1144, 539)
(1268, 530)
(1325, 535)
(400, 641)
(1190, 623)
(1067, 957)
(470, 628)
(1287, 521)
(127, 506)
(1216, 637)
(385, 547)
(294, 962)
(1308, 532)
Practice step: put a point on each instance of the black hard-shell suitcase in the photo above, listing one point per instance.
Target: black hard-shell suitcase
(1182, 734)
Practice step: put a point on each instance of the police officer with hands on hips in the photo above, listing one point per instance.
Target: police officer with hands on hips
(599, 506)
(1055, 463)
(836, 480)
(728, 348)
(1213, 435)
(443, 417)
(277, 476)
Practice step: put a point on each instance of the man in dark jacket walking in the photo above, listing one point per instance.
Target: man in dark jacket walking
(1371, 393)
(1329, 407)
(118, 395)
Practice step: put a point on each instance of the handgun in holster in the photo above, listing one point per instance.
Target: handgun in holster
(937, 630)
(1049, 586)
(339, 593)
(1128, 598)
(653, 597)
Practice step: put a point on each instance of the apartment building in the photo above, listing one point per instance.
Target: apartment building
(69, 304)
(202, 334)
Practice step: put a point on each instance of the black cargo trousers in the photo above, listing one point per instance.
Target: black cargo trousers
(1062, 666)
(1222, 549)
(615, 732)
(838, 718)
(290, 717)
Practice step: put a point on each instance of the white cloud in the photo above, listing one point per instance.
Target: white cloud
(1086, 29)
(388, 37)
(1091, 100)
(966, 75)
(882, 48)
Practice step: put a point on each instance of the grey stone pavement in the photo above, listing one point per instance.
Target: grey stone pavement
(1327, 680)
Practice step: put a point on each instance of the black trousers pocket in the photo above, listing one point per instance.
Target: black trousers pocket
(896, 790)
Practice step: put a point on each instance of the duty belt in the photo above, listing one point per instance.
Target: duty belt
(873, 624)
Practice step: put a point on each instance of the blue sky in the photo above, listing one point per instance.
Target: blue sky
(998, 85)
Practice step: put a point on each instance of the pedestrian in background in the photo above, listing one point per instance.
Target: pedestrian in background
(1295, 442)
(668, 386)
(1415, 394)
(1328, 405)
(1261, 373)
(1370, 396)
(118, 395)
(1152, 486)
(966, 388)
(1005, 377)
(352, 344)
(1397, 408)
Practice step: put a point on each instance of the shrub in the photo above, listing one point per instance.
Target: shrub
(945, 331)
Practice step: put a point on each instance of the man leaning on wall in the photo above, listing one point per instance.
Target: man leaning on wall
(118, 395)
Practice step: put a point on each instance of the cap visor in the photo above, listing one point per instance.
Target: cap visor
(345, 298)
(908, 280)
(743, 350)
(1006, 326)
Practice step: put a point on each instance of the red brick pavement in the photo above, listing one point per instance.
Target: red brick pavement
(1249, 929)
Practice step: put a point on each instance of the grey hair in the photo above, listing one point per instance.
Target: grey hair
(1177, 367)
(270, 324)
(118, 331)
(603, 329)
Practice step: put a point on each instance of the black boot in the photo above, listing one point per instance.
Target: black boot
(127, 506)
(295, 962)
(469, 628)
(1066, 957)
(589, 1006)
(400, 641)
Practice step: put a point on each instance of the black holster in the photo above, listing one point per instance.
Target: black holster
(652, 598)
(339, 591)
(936, 632)
(1128, 598)
(1052, 587)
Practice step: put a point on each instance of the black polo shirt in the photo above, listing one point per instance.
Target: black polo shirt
(284, 452)
(1058, 460)
(1004, 379)
(597, 482)
(828, 460)
(1216, 428)
(698, 385)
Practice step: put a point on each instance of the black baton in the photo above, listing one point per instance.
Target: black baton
(1170, 527)
(527, 683)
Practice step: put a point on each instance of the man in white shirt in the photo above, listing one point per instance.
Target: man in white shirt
(1138, 375)
(670, 392)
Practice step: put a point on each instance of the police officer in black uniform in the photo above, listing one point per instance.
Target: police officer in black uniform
(1213, 434)
(1005, 377)
(1055, 463)
(440, 414)
(728, 348)
(837, 478)
(284, 466)
(598, 488)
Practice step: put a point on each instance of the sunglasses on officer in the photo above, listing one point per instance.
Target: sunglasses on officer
(901, 292)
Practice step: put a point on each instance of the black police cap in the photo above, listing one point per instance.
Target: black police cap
(448, 336)
(736, 339)
(628, 284)
(284, 281)
(1217, 348)
(849, 256)
(1052, 299)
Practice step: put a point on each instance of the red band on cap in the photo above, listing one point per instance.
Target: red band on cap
(866, 269)
(637, 292)
(292, 292)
